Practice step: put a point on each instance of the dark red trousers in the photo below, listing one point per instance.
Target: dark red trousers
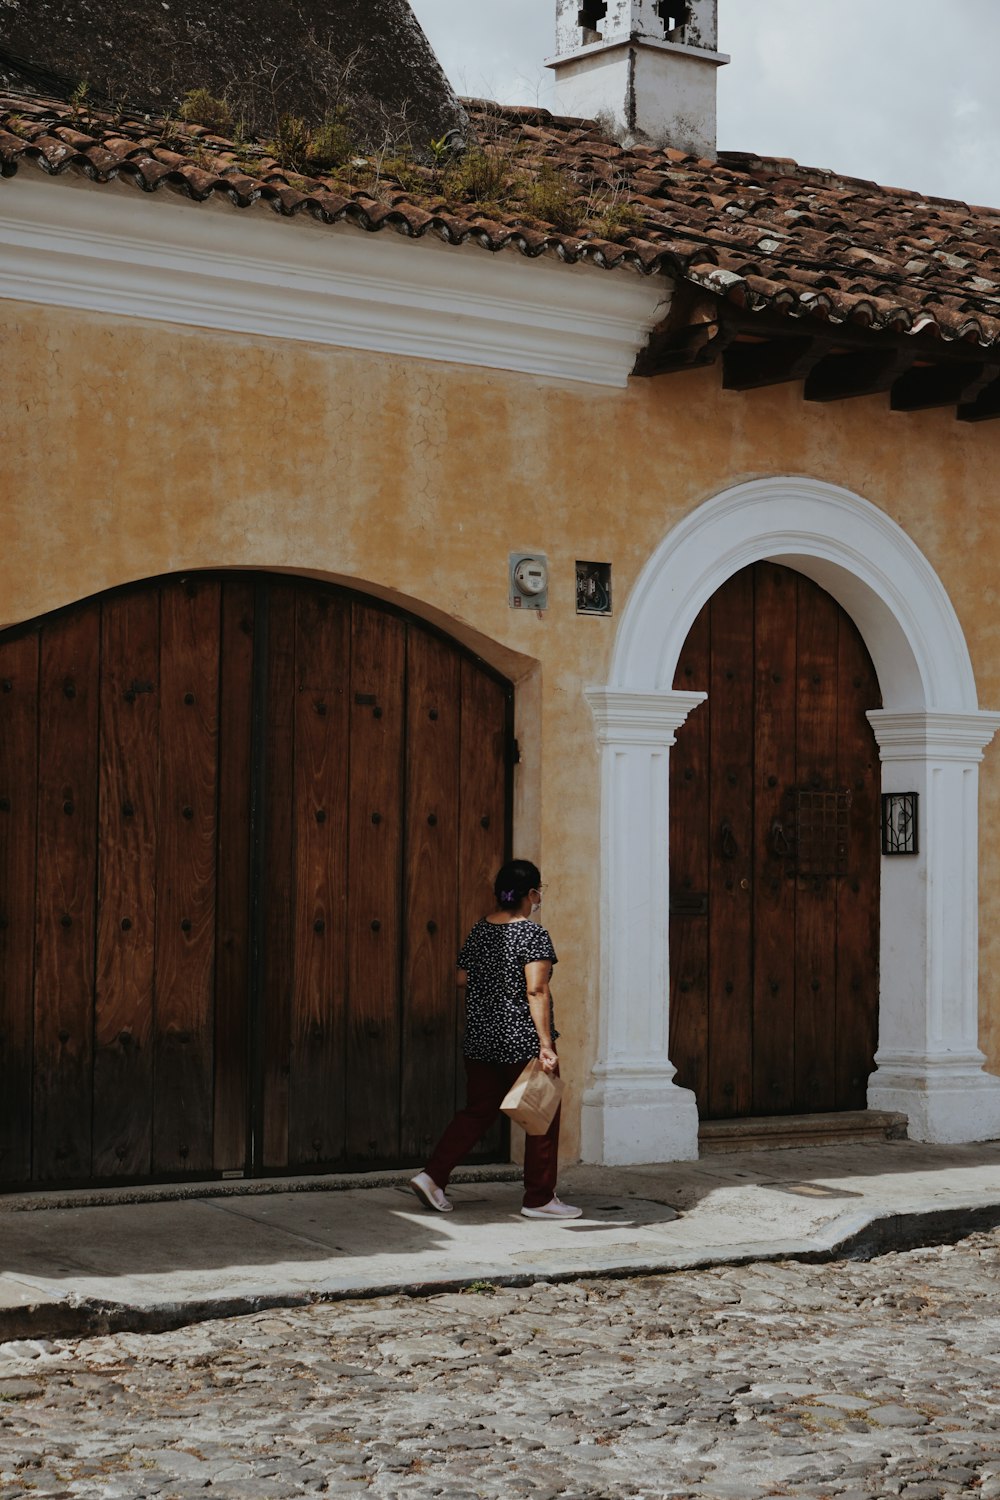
(486, 1084)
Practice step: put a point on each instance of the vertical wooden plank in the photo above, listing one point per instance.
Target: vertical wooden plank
(431, 891)
(689, 870)
(317, 1095)
(232, 939)
(375, 847)
(186, 877)
(67, 839)
(816, 896)
(18, 812)
(774, 889)
(482, 769)
(126, 922)
(482, 837)
(858, 893)
(730, 841)
(275, 875)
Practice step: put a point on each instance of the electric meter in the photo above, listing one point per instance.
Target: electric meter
(531, 576)
(529, 580)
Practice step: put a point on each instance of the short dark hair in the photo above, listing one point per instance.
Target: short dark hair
(514, 880)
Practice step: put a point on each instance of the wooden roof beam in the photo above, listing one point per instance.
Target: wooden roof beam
(927, 386)
(748, 366)
(986, 404)
(835, 363)
(691, 336)
(858, 373)
(689, 348)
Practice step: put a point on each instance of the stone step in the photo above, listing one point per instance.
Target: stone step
(781, 1132)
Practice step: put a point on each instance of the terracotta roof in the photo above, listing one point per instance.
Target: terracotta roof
(755, 235)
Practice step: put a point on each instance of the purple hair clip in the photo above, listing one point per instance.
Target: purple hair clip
(506, 895)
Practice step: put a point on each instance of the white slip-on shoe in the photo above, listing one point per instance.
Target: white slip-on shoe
(430, 1194)
(554, 1209)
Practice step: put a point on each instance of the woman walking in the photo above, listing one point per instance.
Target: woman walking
(504, 969)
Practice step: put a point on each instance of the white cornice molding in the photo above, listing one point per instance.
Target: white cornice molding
(622, 717)
(109, 249)
(651, 43)
(933, 736)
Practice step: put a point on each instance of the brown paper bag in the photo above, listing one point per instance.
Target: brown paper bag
(534, 1099)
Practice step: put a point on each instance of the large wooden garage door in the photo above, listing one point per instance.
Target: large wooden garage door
(244, 822)
(774, 854)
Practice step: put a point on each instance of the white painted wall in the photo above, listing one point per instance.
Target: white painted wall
(653, 84)
(660, 91)
(675, 98)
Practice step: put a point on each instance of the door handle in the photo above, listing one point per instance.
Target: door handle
(730, 848)
(779, 840)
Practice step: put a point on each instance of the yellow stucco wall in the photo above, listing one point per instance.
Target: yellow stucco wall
(129, 450)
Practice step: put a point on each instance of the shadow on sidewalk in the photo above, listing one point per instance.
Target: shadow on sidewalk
(190, 1236)
(833, 1173)
(289, 1236)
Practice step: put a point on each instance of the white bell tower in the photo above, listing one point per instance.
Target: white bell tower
(649, 65)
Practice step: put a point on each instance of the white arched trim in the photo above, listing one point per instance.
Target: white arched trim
(931, 734)
(846, 545)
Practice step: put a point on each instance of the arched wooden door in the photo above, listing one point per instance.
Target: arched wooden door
(244, 821)
(774, 854)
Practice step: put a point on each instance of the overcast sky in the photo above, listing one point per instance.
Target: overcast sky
(902, 91)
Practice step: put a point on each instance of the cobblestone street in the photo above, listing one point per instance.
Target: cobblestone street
(843, 1380)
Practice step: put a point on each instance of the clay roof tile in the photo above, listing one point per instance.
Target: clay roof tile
(764, 231)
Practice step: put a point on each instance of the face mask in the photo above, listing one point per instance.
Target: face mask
(536, 906)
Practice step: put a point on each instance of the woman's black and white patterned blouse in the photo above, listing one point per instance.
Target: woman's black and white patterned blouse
(498, 1024)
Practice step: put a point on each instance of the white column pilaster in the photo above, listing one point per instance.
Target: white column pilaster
(634, 1112)
(928, 1062)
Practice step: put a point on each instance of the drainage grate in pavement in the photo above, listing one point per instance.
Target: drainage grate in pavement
(810, 1190)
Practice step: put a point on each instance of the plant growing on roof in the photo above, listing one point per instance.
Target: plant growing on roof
(305, 148)
(554, 197)
(330, 144)
(610, 214)
(484, 175)
(440, 150)
(387, 168)
(484, 169)
(202, 108)
(80, 115)
(202, 156)
(86, 116)
(619, 221)
(388, 158)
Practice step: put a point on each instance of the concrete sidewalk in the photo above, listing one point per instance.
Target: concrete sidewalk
(139, 1259)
